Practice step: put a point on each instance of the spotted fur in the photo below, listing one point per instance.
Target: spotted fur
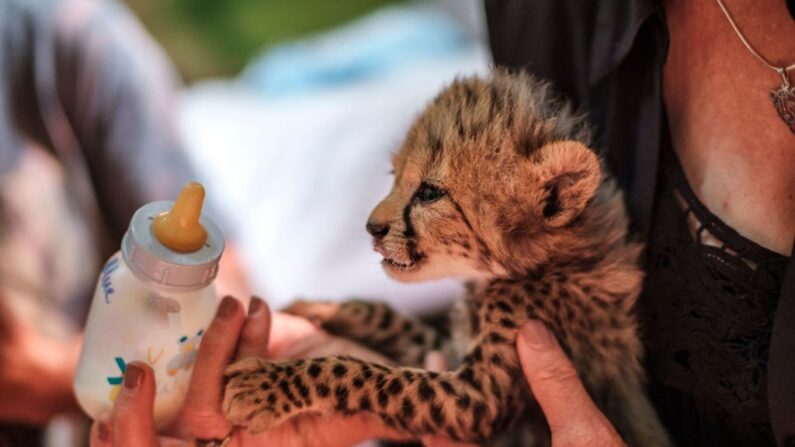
(494, 183)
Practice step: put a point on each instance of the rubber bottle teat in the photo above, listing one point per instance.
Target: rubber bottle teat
(179, 229)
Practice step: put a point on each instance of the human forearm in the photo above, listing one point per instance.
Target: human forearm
(36, 379)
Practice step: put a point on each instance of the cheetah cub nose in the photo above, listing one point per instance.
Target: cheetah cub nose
(377, 230)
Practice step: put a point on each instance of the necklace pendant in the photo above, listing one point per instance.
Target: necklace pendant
(784, 100)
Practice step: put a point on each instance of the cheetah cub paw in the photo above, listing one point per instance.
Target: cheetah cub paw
(318, 312)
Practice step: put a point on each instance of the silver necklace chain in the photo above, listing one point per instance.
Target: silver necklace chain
(783, 97)
(782, 71)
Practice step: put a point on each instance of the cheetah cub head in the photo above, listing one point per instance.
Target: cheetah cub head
(494, 177)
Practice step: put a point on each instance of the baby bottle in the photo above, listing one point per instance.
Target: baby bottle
(153, 302)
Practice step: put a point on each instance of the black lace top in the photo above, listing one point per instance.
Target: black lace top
(708, 305)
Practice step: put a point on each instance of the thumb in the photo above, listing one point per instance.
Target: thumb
(133, 411)
(555, 383)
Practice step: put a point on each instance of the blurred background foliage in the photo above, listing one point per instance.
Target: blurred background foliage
(215, 38)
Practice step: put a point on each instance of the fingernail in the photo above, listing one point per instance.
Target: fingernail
(255, 305)
(536, 334)
(103, 431)
(227, 307)
(133, 376)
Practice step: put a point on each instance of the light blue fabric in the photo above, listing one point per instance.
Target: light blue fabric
(387, 39)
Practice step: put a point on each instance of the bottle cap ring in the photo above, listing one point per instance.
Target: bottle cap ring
(155, 264)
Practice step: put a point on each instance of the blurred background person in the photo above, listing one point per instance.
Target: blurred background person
(87, 135)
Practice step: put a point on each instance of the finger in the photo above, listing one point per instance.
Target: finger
(256, 330)
(133, 411)
(436, 361)
(554, 381)
(101, 435)
(202, 410)
(325, 345)
(296, 338)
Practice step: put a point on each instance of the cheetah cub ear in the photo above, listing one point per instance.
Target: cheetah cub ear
(569, 173)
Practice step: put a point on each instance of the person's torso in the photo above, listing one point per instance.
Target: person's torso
(708, 306)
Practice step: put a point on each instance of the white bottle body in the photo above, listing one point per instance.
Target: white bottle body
(135, 320)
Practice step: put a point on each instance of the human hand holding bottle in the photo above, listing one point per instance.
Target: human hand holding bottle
(235, 333)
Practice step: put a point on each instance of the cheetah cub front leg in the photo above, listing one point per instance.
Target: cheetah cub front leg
(470, 403)
(401, 338)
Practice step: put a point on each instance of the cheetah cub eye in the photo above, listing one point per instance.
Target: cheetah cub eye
(428, 193)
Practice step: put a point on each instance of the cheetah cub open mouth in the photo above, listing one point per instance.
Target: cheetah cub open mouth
(495, 183)
(391, 263)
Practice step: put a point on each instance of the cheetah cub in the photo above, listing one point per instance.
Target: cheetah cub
(495, 184)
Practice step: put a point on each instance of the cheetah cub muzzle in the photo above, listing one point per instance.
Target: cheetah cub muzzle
(495, 184)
